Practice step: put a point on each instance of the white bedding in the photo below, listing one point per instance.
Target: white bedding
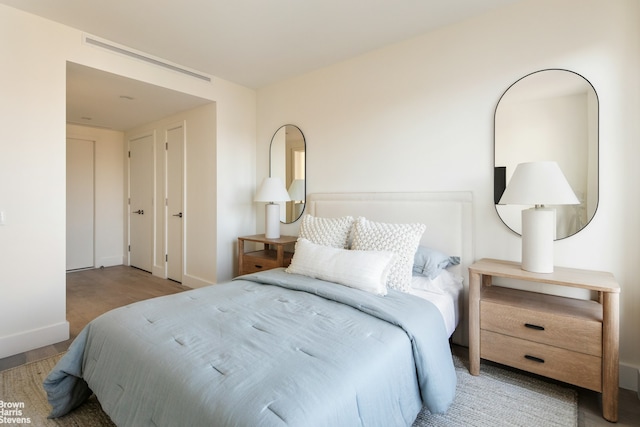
(445, 292)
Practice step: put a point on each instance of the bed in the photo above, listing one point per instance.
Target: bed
(280, 348)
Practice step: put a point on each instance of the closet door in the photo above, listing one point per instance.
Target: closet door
(141, 211)
(80, 204)
(175, 203)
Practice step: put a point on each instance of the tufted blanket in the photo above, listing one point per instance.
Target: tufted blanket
(268, 349)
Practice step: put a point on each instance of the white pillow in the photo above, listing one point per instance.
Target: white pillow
(401, 239)
(364, 270)
(332, 232)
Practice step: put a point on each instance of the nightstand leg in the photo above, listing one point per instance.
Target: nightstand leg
(610, 355)
(474, 323)
(240, 257)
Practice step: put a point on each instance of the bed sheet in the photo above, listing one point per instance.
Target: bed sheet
(446, 294)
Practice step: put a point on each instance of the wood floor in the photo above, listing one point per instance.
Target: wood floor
(93, 292)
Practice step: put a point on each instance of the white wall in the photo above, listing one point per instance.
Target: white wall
(418, 116)
(108, 192)
(32, 168)
(200, 195)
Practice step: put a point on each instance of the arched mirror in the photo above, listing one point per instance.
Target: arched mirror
(287, 160)
(549, 115)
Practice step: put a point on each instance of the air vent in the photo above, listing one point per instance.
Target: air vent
(112, 47)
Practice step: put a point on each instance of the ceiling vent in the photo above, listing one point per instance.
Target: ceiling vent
(112, 47)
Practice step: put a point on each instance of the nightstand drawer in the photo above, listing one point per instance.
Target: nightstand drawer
(558, 327)
(575, 368)
(252, 264)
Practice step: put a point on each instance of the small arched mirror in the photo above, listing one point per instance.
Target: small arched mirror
(287, 160)
(549, 115)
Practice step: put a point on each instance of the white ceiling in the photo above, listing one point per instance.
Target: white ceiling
(100, 99)
(251, 42)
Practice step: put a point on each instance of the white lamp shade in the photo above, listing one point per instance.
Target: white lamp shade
(538, 183)
(272, 190)
(296, 190)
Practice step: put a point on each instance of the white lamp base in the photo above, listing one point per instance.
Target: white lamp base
(272, 221)
(538, 233)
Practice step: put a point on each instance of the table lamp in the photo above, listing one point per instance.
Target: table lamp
(538, 184)
(271, 191)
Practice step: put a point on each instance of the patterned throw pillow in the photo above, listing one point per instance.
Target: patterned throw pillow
(402, 239)
(332, 232)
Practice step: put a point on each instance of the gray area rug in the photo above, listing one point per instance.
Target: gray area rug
(498, 397)
(501, 397)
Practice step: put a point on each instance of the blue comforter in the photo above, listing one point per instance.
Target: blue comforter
(267, 349)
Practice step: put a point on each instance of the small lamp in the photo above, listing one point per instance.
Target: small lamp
(272, 190)
(538, 184)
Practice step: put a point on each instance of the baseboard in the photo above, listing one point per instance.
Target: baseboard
(109, 261)
(187, 280)
(35, 338)
(194, 282)
(630, 378)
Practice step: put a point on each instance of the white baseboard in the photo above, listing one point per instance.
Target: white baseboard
(187, 280)
(630, 378)
(108, 261)
(194, 282)
(35, 338)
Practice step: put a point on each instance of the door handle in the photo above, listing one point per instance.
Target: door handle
(139, 212)
(179, 215)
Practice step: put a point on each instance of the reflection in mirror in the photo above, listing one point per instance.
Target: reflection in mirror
(287, 160)
(549, 115)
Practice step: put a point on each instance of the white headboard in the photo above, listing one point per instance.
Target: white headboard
(447, 215)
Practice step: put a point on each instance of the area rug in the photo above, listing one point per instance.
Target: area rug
(498, 397)
(502, 397)
(21, 387)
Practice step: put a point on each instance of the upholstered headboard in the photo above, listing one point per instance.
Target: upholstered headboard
(447, 215)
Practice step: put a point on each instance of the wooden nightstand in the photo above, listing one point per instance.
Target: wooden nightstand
(273, 255)
(571, 340)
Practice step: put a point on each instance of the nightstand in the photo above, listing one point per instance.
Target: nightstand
(274, 254)
(571, 340)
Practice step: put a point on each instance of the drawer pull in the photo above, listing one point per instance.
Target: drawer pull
(258, 266)
(536, 327)
(533, 358)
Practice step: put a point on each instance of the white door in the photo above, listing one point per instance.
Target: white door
(80, 203)
(141, 203)
(175, 202)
